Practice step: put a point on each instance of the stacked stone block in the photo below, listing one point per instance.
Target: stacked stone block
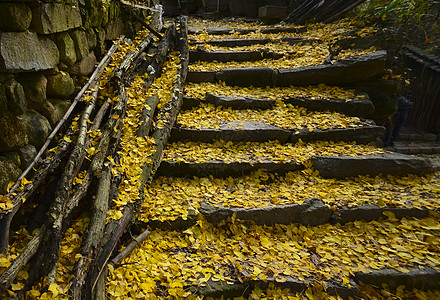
(47, 48)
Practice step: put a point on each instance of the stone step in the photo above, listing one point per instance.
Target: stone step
(244, 42)
(358, 106)
(388, 163)
(251, 131)
(218, 168)
(344, 71)
(244, 31)
(415, 147)
(225, 56)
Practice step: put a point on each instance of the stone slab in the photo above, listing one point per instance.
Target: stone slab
(420, 278)
(359, 107)
(200, 76)
(312, 212)
(235, 42)
(256, 76)
(225, 56)
(236, 131)
(50, 17)
(218, 168)
(26, 51)
(389, 163)
(299, 40)
(229, 30)
(349, 70)
(239, 102)
(370, 212)
(361, 135)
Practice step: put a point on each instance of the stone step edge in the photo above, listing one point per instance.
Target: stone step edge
(226, 56)
(357, 107)
(244, 31)
(243, 42)
(312, 212)
(343, 71)
(424, 278)
(362, 134)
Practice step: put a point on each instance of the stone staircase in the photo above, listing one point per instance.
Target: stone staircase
(289, 192)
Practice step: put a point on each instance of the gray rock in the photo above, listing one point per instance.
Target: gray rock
(34, 85)
(27, 155)
(222, 289)
(3, 99)
(84, 66)
(258, 76)
(36, 126)
(236, 131)
(236, 42)
(60, 85)
(370, 212)
(100, 47)
(311, 212)
(48, 111)
(225, 56)
(349, 70)
(66, 47)
(218, 168)
(15, 16)
(55, 17)
(361, 135)
(114, 29)
(8, 172)
(239, 102)
(60, 107)
(12, 135)
(79, 37)
(420, 278)
(200, 76)
(13, 157)
(25, 51)
(91, 39)
(389, 163)
(359, 107)
(16, 99)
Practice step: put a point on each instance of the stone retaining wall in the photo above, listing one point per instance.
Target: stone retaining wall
(47, 49)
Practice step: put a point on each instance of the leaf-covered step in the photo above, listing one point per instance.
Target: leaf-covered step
(356, 198)
(316, 98)
(243, 31)
(170, 262)
(343, 71)
(284, 122)
(221, 158)
(252, 131)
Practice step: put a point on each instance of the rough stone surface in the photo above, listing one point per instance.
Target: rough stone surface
(15, 17)
(421, 278)
(79, 38)
(200, 76)
(370, 212)
(25, 51)
(219, 168)
(3, 99)
(236, 131)
(16, 99)
(312, 212)
(56, 17)
(27, 155)
(66, 46)
(60, 85)
(225, 56)
(349, 70)
(361, 135)
(235, 42)
(60, 107)
(217, 289)
(36, 126)
(258, 76)
(359, 107)
(114, 29)
(239, 102)
(34, 85)
(8, 172)
(84, 66)
(12, 134)
(389, 163)
(13, 157)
